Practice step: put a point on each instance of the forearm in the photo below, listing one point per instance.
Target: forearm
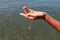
(53, 22)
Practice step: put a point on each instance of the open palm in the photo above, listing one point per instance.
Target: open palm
(31, 14)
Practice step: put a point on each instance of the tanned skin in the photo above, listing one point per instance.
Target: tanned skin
(35, 15)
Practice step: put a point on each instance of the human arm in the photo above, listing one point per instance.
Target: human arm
(35, 15)
(53, 22)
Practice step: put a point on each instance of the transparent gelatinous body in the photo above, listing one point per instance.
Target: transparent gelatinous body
(29, 24)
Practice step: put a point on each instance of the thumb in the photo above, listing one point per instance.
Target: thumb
(22, 14)
(26, 10)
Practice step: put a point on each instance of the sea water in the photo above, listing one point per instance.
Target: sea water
(12, 25)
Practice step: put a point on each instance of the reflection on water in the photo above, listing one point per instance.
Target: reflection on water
(13, 26)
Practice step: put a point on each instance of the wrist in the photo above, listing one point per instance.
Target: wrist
(44, 15)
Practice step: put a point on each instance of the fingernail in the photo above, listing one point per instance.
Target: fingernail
(24, 7)
(21, 13)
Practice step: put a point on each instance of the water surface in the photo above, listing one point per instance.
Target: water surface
(13, 26)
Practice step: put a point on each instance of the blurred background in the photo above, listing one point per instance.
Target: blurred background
(14, 27)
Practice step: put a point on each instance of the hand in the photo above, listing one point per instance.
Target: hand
(31, 14)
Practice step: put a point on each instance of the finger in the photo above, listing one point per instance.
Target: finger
(22, 14)
(32, 18)
(26, 10)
